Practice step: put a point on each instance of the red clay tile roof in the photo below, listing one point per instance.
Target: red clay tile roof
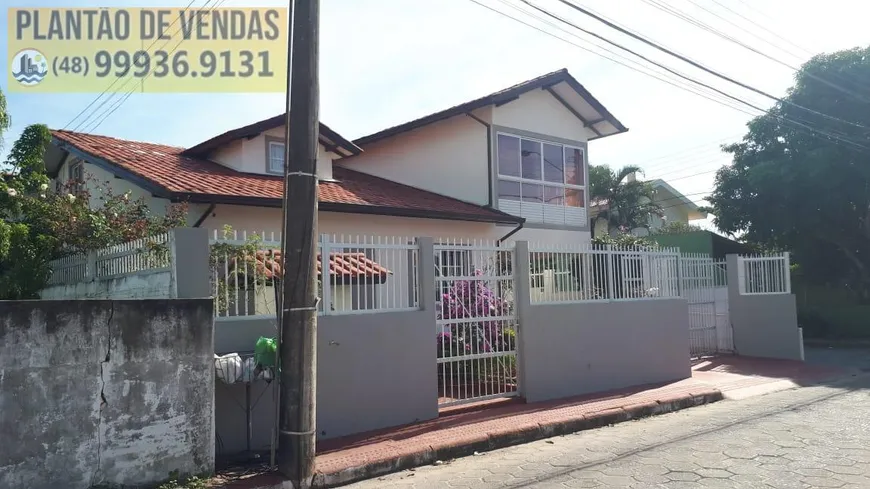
(173, 175)
(343, 267)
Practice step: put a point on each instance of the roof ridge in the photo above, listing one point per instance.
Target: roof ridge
(87, 134)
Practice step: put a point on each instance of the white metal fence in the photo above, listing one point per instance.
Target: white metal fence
(364, 274)
(705, 288)
(760, 275)
(584, 273)
(137, 257)
(476, 326)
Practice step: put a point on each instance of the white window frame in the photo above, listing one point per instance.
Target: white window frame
(76, 173)
(269, 160)
(563, 185)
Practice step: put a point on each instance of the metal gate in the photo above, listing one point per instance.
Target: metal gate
(705, 287)
(476, 323)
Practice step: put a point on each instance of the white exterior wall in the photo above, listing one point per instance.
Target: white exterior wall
(96, 177)
(538, 111)
(265, 219)
(249, 155)
(448, 157)
(262, 219)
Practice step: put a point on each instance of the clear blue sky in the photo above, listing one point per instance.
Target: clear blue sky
(388, 61)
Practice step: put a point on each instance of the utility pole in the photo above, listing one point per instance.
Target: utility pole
(298, 360)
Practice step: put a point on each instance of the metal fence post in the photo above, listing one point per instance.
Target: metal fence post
(787, 271)
(326, 274)
(611, 287)
(91, 266)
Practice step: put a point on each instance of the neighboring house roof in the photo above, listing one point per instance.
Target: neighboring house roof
(678, 198)
(330, 139)
(343, 267)
(588, 109)
(167, 172)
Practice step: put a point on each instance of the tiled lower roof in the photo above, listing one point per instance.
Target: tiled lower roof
(168, 173)
(343, 267)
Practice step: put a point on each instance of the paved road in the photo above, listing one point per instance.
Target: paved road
(809, 437)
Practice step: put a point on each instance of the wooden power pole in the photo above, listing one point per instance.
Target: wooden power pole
(297, 429)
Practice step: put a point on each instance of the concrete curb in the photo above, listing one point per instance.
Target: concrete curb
(515, 436)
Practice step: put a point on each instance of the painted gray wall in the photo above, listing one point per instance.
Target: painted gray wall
(190, 253)
(373, 370)
(763, 325)
(105, 392)
(573, 349)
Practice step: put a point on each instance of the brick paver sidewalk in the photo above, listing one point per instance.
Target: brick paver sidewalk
(466, 431)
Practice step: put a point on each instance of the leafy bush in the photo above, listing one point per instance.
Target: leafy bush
(624, 240)
(476, 308)
(676, 227)
(38, 225)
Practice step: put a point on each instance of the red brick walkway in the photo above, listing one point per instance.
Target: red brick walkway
(463, 431)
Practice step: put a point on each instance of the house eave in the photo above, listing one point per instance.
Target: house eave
(198, 198)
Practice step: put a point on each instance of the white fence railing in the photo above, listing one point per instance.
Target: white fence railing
(364, 274)
(138, 257)
(583, 273)
(760, 275)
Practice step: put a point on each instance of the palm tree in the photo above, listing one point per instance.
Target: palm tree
(624, 203)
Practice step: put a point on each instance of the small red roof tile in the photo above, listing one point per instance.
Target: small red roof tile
(342, 266)
(187, 177)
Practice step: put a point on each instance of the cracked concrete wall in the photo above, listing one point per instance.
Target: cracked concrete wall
(105, 392)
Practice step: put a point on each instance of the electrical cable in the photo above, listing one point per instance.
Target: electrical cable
(698, 65)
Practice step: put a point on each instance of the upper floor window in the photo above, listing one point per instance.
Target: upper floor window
(542, 181)
(276, 157)
(76, 175)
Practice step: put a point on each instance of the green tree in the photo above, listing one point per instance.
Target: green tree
(5, 119)
(677, 227)
(625, 204)
(38, 225)
(807, 191)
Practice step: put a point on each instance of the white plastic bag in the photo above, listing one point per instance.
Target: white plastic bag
(228, 368)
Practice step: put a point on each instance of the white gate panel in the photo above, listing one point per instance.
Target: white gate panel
(705, 289)
(477, 324)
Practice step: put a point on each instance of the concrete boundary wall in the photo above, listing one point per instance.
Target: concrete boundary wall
(574, 349)
(763, 325)
(105, 393)
(578, 348)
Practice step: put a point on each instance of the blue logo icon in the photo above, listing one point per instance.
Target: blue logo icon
(29, 67)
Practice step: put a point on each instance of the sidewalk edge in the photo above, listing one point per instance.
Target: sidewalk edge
(515, 437)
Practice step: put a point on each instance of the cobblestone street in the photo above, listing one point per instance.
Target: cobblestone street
(810, 437)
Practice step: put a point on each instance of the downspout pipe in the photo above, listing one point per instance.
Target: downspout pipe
(204, 215)
(489, 163)
(508, 235)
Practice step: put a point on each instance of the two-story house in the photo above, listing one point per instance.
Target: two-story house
(512, 163)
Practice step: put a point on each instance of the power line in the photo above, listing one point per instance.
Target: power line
(808, 130)
(762, 27)
(692, 20)
(109, 112)
(116, 80)
(673, 82)
(812, 131)
(698, 65)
